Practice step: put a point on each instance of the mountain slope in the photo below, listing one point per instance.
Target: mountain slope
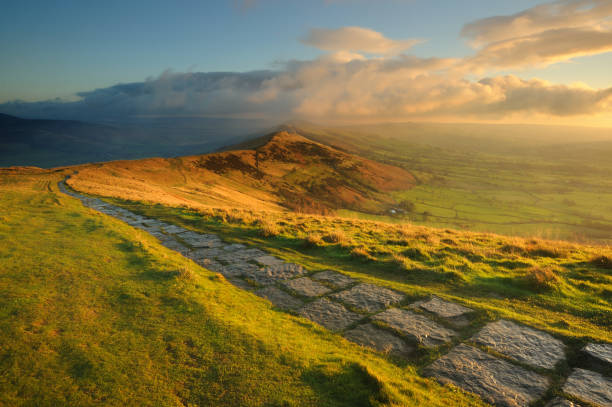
(284, 170)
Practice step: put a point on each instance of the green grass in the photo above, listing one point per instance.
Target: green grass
(94, 312)
(490, 273)
(475, 179)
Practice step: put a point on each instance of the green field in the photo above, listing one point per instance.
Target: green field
(542, 181)
(95, 312)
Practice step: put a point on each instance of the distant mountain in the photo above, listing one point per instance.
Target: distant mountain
(52, 143)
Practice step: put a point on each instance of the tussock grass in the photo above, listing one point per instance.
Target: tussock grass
(540, 279)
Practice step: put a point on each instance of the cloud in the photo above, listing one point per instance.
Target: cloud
(549, 16)
(398, 88)
(542, 35)
(542, 49)
(345, 85)
(356, 39)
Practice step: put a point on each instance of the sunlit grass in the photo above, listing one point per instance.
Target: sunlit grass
(93, 311)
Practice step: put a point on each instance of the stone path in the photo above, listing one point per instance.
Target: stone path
(505, 363)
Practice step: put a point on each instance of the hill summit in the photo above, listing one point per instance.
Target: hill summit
(282, 169)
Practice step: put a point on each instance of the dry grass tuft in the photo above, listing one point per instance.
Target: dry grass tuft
(336, 236)
(269, 229)
(540, 279)
(362, 253)
(313, 240)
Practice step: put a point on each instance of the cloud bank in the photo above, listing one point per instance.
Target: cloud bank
(364, 76)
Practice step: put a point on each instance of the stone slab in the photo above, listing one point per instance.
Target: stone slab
(601, 353)
(526, 345)
(285, 271)
(279, 298)
(334, 278)
(306, 287)
(233, 247)
(268, 261)
(173, 229)
(242, 269)
(331, 315)
(369, 297)
(379, 339)
(589, 386)
(442, 308)
(172, 244)
(422, 329)
(494, 380)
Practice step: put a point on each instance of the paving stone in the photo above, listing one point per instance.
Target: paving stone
(331, 315)
(369, 297)
(526, 345)
(561, 402)
(233, 247)
(207, 253)
(307, 287)
(239, 255)
(172, 244)
(422, 329)
(285, 271)
(494, 380)
(334, 278)
(589, 386)
(173, 229)
(442, 308)
(600, 353)
(379, 339)
(242, 269)
(198, 240)
(211, 265)
(268, 261)
(453, 313)
(279, 298)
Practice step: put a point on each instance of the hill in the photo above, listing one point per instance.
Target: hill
(53, 143)
(283, 170)
(544, 181)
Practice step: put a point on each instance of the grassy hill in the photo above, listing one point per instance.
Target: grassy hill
(545, 181)
(283, 170)
(93, 311)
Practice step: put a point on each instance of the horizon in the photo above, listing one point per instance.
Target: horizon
(337, 61)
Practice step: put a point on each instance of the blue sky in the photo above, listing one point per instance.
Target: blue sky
(58, 48)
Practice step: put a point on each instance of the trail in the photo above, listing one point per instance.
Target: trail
(379, 318)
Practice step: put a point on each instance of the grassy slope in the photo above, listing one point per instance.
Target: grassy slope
(543, 181)
(93, 311)
(492, 273)
(286, 171)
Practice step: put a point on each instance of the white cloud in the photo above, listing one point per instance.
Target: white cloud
(356, 39)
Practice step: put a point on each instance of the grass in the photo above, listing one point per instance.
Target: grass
(563, 288)
(93, 311)
(481, 179)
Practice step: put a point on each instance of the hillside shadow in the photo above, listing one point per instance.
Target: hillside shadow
(353, 386)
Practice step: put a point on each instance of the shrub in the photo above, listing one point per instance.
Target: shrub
(541, 279)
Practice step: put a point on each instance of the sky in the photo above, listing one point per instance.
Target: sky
(321, 60)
